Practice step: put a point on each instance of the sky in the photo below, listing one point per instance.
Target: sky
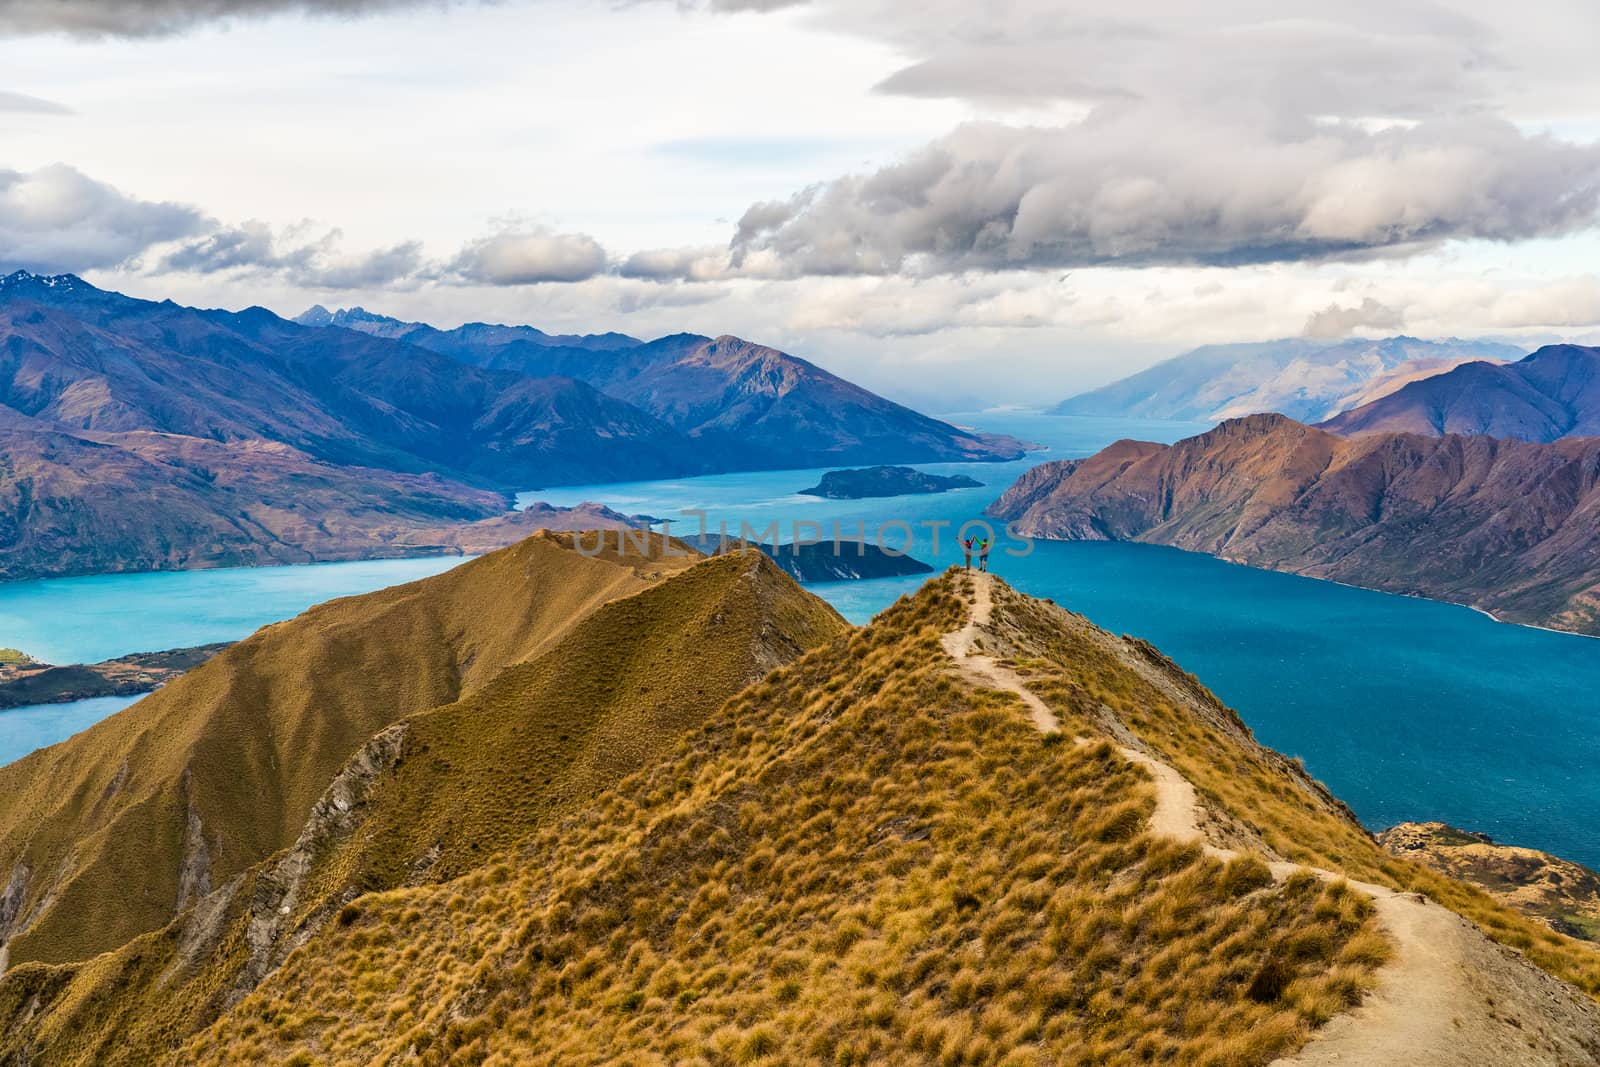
(960, 203)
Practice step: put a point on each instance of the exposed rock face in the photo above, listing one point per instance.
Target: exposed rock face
(885, 481)
(1564, 894)
(1551, 394)
(1510, 527)
(270, 932)
(1303, 378)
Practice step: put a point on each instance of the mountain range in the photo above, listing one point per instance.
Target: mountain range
(651, 807)
(1307, 379)
(1510, 527)
(1551, 394)
(726, 395)
(264, 441)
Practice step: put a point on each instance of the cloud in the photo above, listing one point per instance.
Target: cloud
(1135, 187)
(529, 257)
(1384, 58)
(58, 219)
(154, 18)
(318, 263)
(23, 104)
(1334, 322)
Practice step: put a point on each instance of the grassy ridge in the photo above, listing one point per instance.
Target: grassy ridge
(150, 808)
(432, 797)
(858, 860)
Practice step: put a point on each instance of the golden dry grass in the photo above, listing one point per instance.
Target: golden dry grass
(1082, 670)
(470, 778)
(858, 860)
(251, 739)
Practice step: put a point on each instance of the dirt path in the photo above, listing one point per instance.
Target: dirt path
(1451, 996)
(985, 670)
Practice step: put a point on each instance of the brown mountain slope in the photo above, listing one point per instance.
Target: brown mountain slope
(93, 503)
(431, 797)
(1551, 394)
(868, 859)
(148, 810)
(1506, 526)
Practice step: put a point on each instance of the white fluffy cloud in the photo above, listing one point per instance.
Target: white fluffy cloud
(1136, 188)
(57, 219)
(1336, 321)
(529, 257)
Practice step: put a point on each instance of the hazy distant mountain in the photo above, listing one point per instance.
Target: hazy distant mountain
(753, 404)
(1308, 380)
(1508, 526)
(1551, 394)
(473, 333)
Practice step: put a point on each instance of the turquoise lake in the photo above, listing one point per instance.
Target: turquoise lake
(1408, 709)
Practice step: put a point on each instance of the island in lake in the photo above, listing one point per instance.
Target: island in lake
(885, 481)
(24, 681)
(822, 561)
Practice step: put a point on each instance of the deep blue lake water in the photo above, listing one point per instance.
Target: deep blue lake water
(1407, 709)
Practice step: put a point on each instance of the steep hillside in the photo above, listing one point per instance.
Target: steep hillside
(1506, 526)
(1553, 393)
(434, 796)
(733, 397)
(1303, 378)
(871, 855)
(150, 809)
(870, 858)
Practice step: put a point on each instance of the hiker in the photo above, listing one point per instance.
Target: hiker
(983, 555)
(966, 553)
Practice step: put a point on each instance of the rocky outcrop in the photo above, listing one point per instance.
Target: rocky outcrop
(1509, 527)
(1564, 894)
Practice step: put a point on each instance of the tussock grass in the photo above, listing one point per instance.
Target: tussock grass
(858, 860)
(618, 686)
(248, 741)
(1081, 670)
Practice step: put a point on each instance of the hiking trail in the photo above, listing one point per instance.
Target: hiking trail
(1449, 996)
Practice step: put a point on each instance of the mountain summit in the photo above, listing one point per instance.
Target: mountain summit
(730, 396)
(1551, 394)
